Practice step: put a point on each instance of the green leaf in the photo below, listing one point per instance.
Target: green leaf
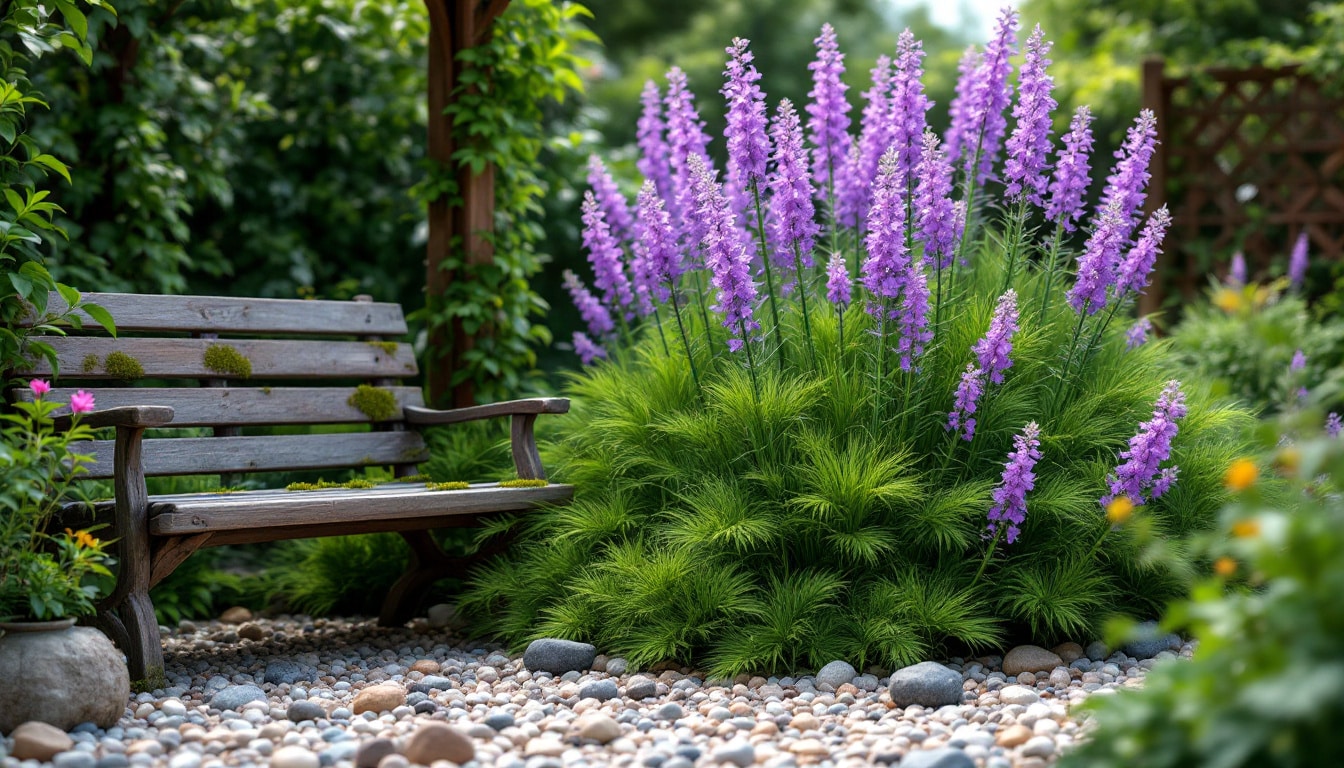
(22, 285)
(70, 295)
(102, 317)
(51, 163)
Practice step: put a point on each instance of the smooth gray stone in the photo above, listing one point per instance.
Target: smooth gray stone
(235, 696)
(836, 674)
(1148, 641)
(944, 757)
(599, 689)
(558, 656)
(928, 684)
(739, 753)
(640, 688)
(305, 710)
(286, 672)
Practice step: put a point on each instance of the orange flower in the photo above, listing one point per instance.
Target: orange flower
(1246, 529)
(1227, 300)
(1119, 510)
(82, 538)
(1241, 475)
(1225, 566)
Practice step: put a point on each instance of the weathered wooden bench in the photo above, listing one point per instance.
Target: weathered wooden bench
(214, 354)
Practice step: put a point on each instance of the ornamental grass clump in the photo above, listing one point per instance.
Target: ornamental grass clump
(885, 392)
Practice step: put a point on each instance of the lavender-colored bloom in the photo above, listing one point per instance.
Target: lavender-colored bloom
(1141, 468)
(1298, 363)
(852, 198)
(838, 288)
(908, 106)
(993, 351)
(1236, 271)
(1137, 335)
(653, 152)
(959, 132)
(605, 256)
(990, 97)
(587, 349)
(1165, 479)
(641, 277)
(1127, 186)
(912, 319)
(1071, 178)
(748, 146)
(1030, 143)
(1333, 425)
(1019, 477)
(615, 209)
(875, 132)
(1297, 262)
(594, 314)
(935, 215)
(1138, 264)
(964, 404)
(685, 138)
(726, 257)
(828, 110)
(885, 270)
(792, 215)
(1302, 394)
(658, 241)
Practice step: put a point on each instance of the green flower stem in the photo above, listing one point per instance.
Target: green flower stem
(879, 364)
(1052, 266)
(686, 342)
(704, 310)
(802, 298)
(769, 279)
(1068, 361)
(1017, 229)
(658, 320)
(751, 362)
(998, 531)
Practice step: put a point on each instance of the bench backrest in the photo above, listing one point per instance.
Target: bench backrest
(232, 363)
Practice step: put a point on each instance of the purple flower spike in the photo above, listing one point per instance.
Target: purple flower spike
(605, 256)
(615, 209)
(1137, 335)
(587, 349)
(594, 315)
(685, 138)
(935, 214)
(1030, 143)
(1010, 497)
(838, 287)
(875, 134)
(658, 241)
(912, 320)
(1138, 264)
(1072, 178)
(1297, 262)
(1141, 469)
(726, 256)
(828, 110)
(908, 106)
(1236, 272)
(993, 351)
(748, 147)
(1298, 363)
(792, 214)
(990, 97)
(1333, 425)
(653, 153)
(963, 406)
(959, 132)
(1127, 186)
(885, 270)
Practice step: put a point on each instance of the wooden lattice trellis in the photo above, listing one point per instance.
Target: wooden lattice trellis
(1249, 159)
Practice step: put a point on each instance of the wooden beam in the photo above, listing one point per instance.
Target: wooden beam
(1154, 98)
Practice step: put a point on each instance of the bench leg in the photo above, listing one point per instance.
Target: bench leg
(428, 565)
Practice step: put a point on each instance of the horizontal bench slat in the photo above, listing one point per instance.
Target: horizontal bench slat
(270, 358)
(225, 314)
(237, 406)
(274, 453)
(302, 508)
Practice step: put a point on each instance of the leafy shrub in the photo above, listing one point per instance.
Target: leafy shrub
(197, 589)
(1267, 685)
(337, 574)
(878, 472)
(1243, 340)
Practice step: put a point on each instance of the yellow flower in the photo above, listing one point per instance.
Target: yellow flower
(1225, 566)
(1119, 510)
(1227, 300)
(1287, 461)
(1245, 529)
(1241, 475)
(82, 538)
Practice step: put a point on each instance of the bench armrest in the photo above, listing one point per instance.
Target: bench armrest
(125, 416)
(429, 416)
(524, 412)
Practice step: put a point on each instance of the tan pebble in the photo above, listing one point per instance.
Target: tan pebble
(439, 741)
(742, 679)
(809, 748)
(378, 698)
(597, 727)
(1029, 658)
(39, 741)
(394, 761)
(1013, 736)
(235, 615)
(756, 682)
(805, 721)
(741, 709)
(253, 631)
(599, 663)
(847, 688)
(425, 667)
(765, 728)
(294, 757)
(148, 746)
(1068, 652)
(544, 748)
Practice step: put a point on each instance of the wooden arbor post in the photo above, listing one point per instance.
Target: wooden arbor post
(454, 26)
(1155, 97)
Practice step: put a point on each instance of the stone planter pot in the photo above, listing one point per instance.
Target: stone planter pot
(60, 674)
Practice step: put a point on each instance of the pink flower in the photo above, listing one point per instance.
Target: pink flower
(81, 402)
(39, 387)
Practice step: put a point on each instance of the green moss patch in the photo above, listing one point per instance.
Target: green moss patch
(455, 485)
(91, 364)
(388, 347)
(226, 360)
(521, 483)
(120, 366)
(422, 478)
(375, 402)
(322, 485)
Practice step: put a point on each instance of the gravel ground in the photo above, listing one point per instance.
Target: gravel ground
(300, 693)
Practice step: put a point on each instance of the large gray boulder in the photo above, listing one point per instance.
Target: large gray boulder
(928, 684)
(63, 678)
(558, 656)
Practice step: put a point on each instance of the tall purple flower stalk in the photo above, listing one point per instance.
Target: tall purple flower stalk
(908, 106)
(748, 145)
(1029, 144)
(793, 226)
(875, 132)
(1138, 264)
(726, 257)
(960, 110)
(1140, 471)
(1236, 272)
(1298, 363)
(839, 290)
(993, 352)
(658, 241)
(595, 315)
(1333, 425)
(685, 139)
(1137, 335)
(1297, 262)
(1072, 172)
(653, 153)
(935, 214)
(1010, 496)
(1127, 186)
(990, 97)
(641, 276)
(605, 256)
(912, 318)
(885, 269)
(828, 110)
(587, 349)
(963, 406)
(614, 207)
